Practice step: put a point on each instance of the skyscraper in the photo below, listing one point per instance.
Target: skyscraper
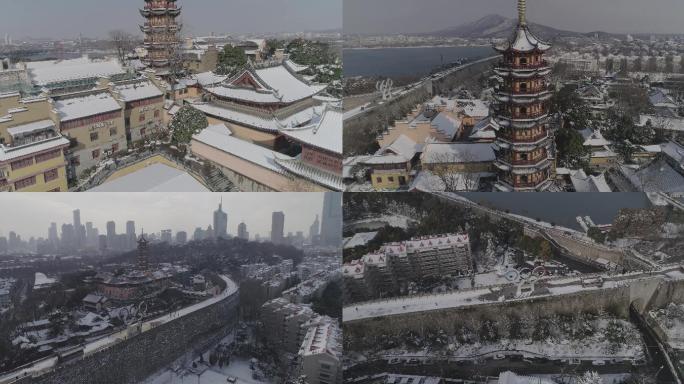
(523, 148)
(79, 230)
(111, 235)
(242, 231)
(130, 234)
(331, 224)
(277, 227)
(53, 238)
(181, 237)
(313, 231)
(220, 222)
(167, 236)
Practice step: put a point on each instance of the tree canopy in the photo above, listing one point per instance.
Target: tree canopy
(187, 122)
(231, 59)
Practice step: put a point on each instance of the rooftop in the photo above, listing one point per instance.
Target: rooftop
(154, 178)
(47, 72)
(138, 91)
(325, 131)
(84, 106)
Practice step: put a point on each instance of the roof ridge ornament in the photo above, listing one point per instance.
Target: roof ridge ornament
(522, 8)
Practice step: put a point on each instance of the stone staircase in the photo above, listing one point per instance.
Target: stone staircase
(218, 182)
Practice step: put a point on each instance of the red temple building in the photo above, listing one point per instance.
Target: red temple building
(523, 147)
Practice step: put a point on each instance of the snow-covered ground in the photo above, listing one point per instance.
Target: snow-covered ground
(361, 238)
(238, 368)
(377, 222)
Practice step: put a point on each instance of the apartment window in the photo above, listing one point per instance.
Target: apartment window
(157, 113)
(27, 182)
(55, 190)
(47, 156)
(76, 160)
(378, 179)
(142, 117)
(96, 154)
(115, 147)
(390, 179)
(112, 131)
(94, 136)
(142, 132)
(19, 164)
(326, 366)
(50, 175)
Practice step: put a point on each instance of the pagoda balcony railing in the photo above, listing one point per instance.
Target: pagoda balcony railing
(171, 26)
(528, 91)
(537, 65)
(523, 163)
(517, 115)
(528, 184)
(160, 5)
(526, 139)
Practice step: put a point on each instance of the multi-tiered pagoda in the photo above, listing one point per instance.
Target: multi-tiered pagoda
(523, 145)
(162, 32)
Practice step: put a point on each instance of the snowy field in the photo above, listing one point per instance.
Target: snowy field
(154, 178)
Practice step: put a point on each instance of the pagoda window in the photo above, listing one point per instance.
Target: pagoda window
(523, 87)
(523, 61)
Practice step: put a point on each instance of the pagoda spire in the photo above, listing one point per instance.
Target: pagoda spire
(522, 8)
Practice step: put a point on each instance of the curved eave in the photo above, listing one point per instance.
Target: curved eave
(522, 99)
(521, 147)
(307, 144)
(522, 73)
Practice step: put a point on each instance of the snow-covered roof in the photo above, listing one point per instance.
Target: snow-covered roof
(138, 91)
(403, 146)
(509, 377)
(440, 153)
(524, 41)
(658, 176)
(473, 107)
(276, 85)
(310, 172)
(667, 123)
(447, 124)
(323, 338)
(221, 138)
(593, 138)
(84, 106)
(47, 72)
(209, 78)
(583, 183)
(354, 269)
(35, 126)
(270, 123)
(42, 281)
(295, 67)
(154, 178)
(325, 132)
(485, 129)
(11, 153)
(361, 238)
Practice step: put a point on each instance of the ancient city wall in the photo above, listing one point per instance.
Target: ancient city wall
(133, 360)
(645, 292)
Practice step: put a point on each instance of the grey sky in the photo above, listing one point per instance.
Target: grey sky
(30, 214)
(417, 16)
(68, 18)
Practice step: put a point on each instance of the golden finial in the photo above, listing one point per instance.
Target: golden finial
(521, 12)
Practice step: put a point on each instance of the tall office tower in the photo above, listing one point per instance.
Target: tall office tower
(331, 225)
(130, 234)
(167, 236)
(68, 237)
(198, 234)
(242, 231)
(91, 234)
(79, 230)
(220, 222)
(111, 235)
(523, 147)
(181, 237)
(277, 228)
(314, 231)
(53, 238)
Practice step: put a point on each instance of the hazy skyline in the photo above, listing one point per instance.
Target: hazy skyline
(424, 16)
(30, 214)
(95, 18)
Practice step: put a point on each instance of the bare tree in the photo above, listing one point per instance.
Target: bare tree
(444, 166)
(123, 43)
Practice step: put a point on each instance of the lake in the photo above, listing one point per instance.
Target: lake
(563, 208)
(401, 62)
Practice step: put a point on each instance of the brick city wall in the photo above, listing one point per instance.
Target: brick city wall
(135, 359)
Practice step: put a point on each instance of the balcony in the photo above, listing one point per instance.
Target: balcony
(513, 139)
(524, 163)
(529, 66)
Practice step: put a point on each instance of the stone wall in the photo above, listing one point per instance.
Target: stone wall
(135, 359)
(645, 291)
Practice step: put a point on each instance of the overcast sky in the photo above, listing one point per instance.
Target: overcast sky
(68, 18)
(30, 214)
(418, 16)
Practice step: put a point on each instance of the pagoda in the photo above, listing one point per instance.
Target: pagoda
(523, 145)
(162, 32)
(143, 254)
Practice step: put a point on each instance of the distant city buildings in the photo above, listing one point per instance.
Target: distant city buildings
(277, 227)
(242, 231)
(220, 222)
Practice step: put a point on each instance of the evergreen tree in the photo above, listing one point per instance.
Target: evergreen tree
(231, 60)
(187, 122)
